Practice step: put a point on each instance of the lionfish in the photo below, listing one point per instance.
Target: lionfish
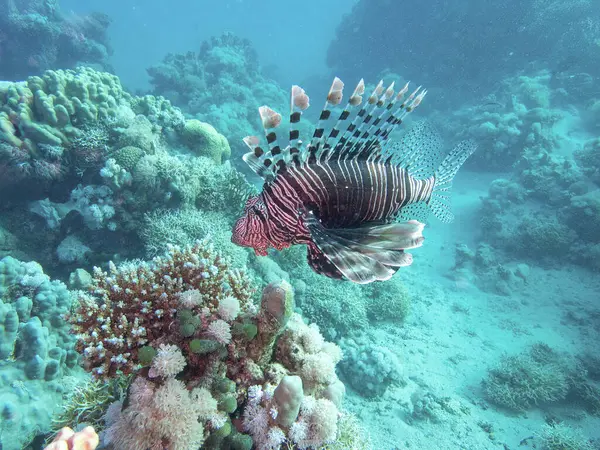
(345, 193)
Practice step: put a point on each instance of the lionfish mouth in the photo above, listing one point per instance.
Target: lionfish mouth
(258, 250)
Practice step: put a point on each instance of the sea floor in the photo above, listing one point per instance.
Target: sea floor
(455, 332)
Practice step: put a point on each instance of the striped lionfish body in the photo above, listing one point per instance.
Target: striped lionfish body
(343, 192)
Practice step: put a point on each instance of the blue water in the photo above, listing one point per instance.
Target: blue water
(153, 289)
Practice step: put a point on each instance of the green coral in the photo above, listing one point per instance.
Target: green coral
(50, 109)
(128, 156)
(248, 330)
(388, 302)
(203, 346)
(188, 323)
(146, 354)
(228, 403)
(88, 402)
(523, 381)
(562, 437)
(204, 140)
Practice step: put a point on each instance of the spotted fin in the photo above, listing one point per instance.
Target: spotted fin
(439, 203)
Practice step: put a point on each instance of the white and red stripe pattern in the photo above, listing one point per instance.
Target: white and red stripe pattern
(343, 192)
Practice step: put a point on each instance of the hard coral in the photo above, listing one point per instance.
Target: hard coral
(204, 140)
(206, 360)
(528, 379)
(562, 437)
(136, 305)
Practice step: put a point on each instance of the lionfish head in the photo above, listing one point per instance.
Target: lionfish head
(250, 229)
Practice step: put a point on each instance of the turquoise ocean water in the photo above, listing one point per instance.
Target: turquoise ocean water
(146, 304)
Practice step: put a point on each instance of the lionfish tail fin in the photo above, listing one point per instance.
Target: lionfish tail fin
(358, 128)
(439, 202)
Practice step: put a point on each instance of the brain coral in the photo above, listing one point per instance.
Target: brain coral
(204, 140)
(49, 109)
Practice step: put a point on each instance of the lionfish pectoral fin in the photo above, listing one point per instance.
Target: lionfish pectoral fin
(393, 236)
(321, 264)
(352, 264)
(390, 258)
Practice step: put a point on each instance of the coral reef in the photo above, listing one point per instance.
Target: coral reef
(525, 32)
(35, 36)
(547, 211)
(221, 84)
(37, 350)
(210, 366)
(68, 121)
(538, 377)
(83, 162)
(558, 436)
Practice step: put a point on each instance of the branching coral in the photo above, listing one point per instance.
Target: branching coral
(562, 437)
(526, 380)
(209, 366)
(139, 305)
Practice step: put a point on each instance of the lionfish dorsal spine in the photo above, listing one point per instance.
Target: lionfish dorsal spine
(353, 147)
(353, 102)
(255, 158)
(299, 102)
(392, 116)
(265, 163)
(318, 142)
(370, 122)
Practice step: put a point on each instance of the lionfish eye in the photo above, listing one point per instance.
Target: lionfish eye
(260, 211)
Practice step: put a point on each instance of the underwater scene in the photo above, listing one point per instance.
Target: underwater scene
(275, 225)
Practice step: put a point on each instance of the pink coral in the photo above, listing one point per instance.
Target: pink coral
(67, 439)
(136, 304)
